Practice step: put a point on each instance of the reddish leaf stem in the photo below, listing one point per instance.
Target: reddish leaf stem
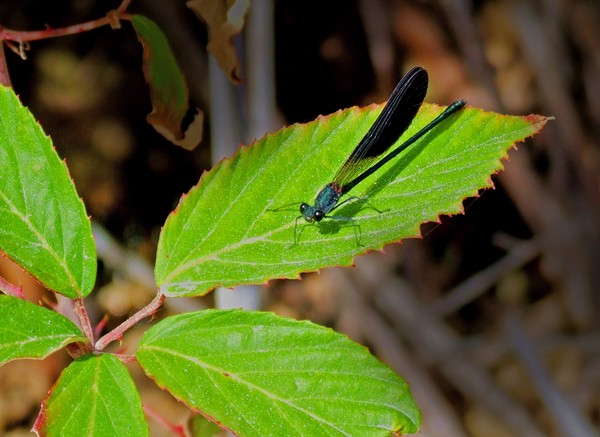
(177, 430)
(81, 312)
(123, 7)
(4, 76)
(21, 36)
(118, 332)
(125, 358)
(11, 289)
(112, 19)
(100, 326)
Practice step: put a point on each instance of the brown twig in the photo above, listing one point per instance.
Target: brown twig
(564, 413)
(547, 208)
(437, 344)
(461, 21)
(441, 420)
(378, 33)
(481, 281)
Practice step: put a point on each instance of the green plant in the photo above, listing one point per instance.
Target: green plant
(254, 373)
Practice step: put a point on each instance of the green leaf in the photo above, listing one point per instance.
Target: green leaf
(31, 331)
(261, 375)
(168, 90)
(43, 223)
(200, 426)
(234, 227)
(94, 396)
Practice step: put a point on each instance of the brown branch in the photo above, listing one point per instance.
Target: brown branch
(442, 419)
(435, 343)
(481, 281)
(566, 416)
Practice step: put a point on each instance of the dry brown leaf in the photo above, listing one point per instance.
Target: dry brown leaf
(188, 139)
(168, 89)
(225, 19)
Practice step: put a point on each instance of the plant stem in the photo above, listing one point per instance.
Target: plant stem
(111, 18)
(4, 76)
(126, 359)
(123, 6)
(11, 289)
(81, 312)
(161, 420)
(118, 332)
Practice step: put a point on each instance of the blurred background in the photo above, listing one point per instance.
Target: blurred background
(491, 316)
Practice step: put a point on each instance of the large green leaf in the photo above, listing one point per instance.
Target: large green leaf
(234, 227)
(31, 331)
(262, 375)
(43, 223)
(94, 396)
